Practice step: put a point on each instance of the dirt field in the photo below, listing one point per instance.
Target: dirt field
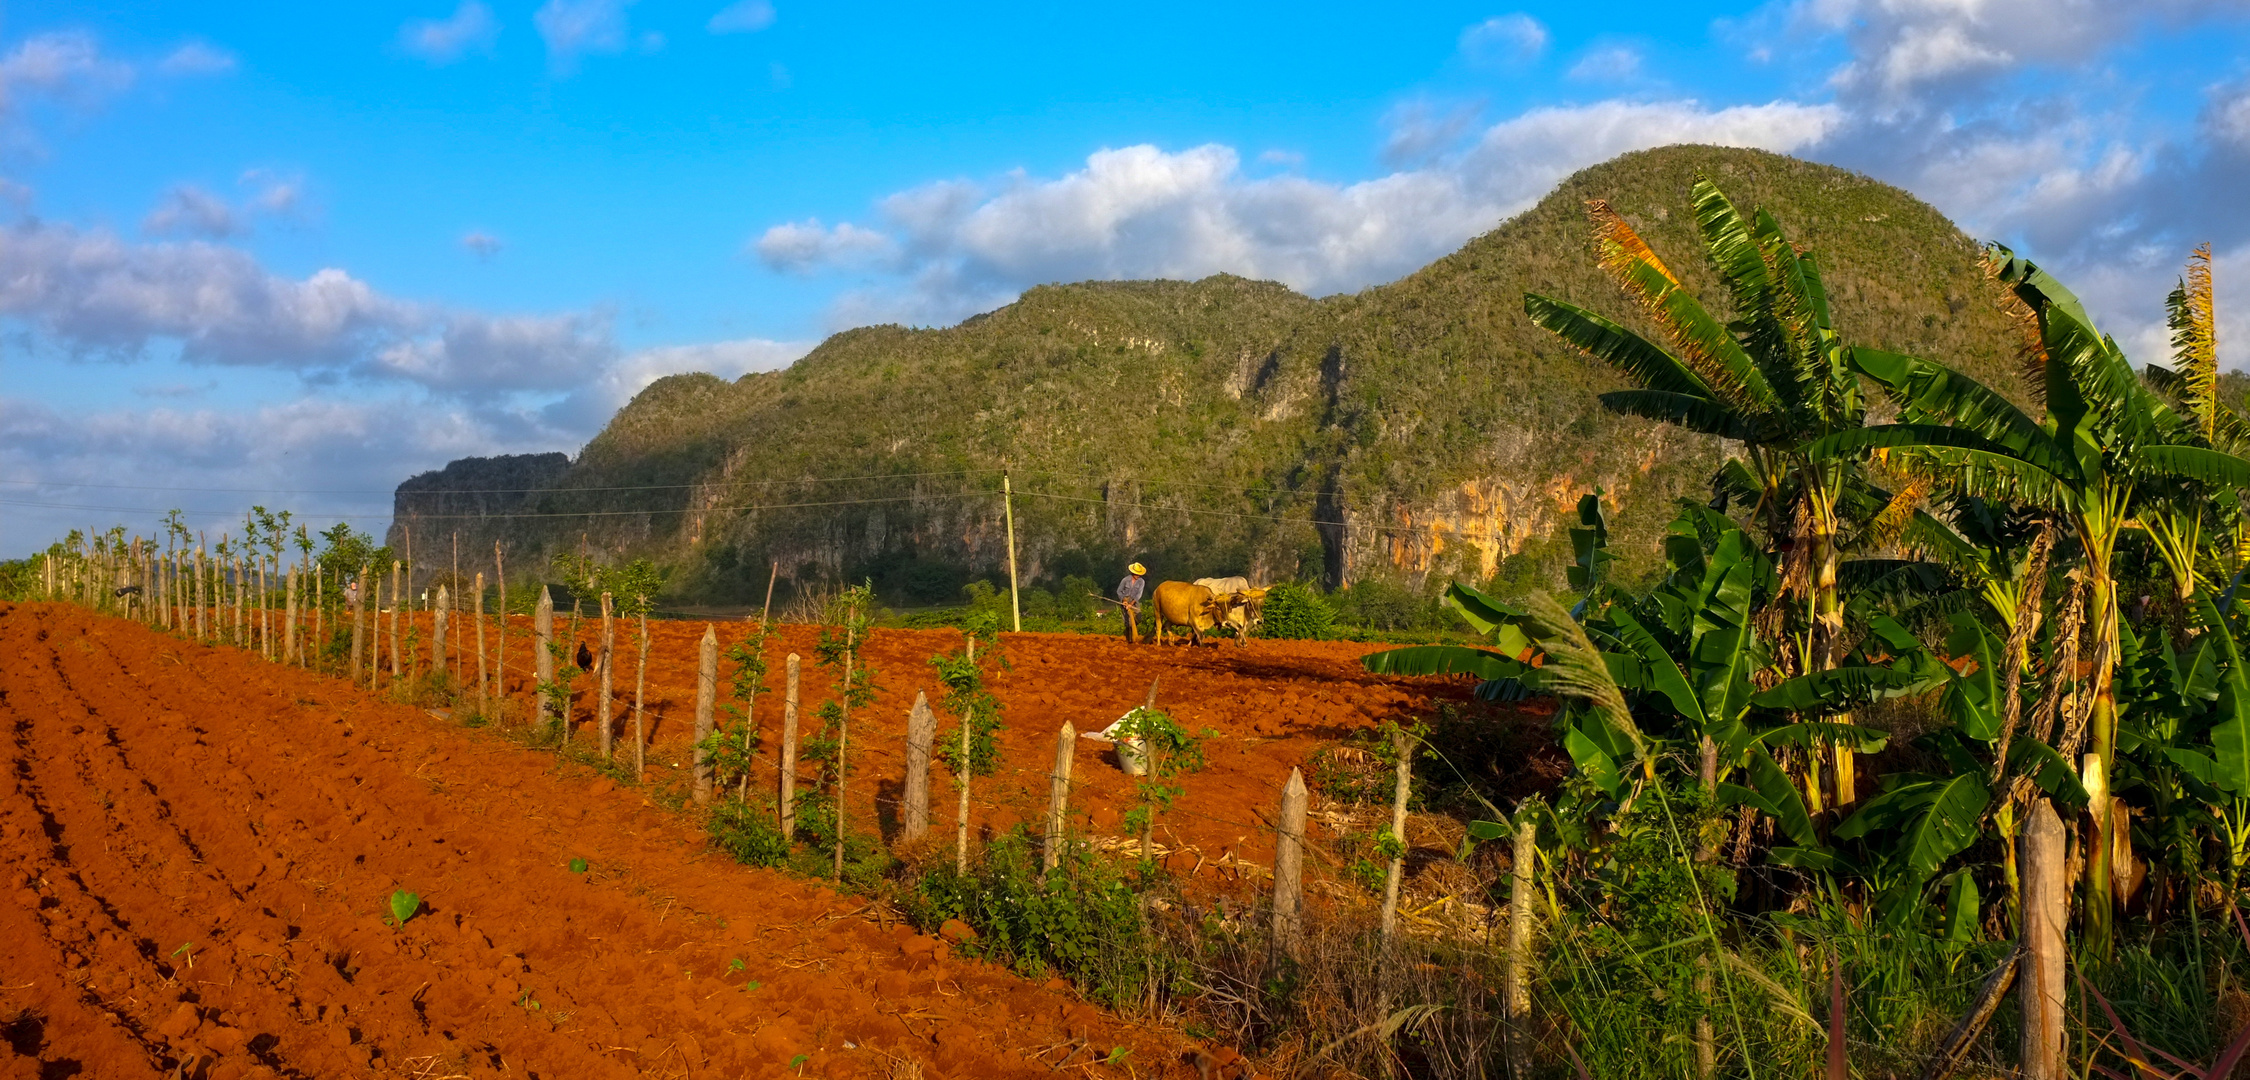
(199, 847)
(1269, 705)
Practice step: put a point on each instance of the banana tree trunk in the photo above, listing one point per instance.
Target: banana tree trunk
(1828, 628)
(2102, 734)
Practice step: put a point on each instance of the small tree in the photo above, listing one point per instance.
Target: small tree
(733, 749)
(975, 752)
(849, 617)
(1166, 750)
(636, 585)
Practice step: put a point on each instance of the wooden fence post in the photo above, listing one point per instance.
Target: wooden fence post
(202, 594)
(484, 696)
(609, 649)
(1058, 795)
(640, 687)
(706, 698)
(2039, 985)
(1402, 744)
(542, 647)
(397, 598)
(438, 627)
(289, 617)
(921, 734)
(500, 630)
(789, 752)
(1289, 868)
(1519, 946)
(359, 618)
(962, 778)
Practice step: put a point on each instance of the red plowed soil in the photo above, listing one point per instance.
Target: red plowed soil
(1270, 704)
(197, 849)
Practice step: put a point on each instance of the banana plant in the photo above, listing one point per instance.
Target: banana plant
(1900, 841)
(2184, 746)
(1775, 379)
(2108, 449)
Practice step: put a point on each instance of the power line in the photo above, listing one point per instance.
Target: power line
(1113, 503)
(494, 491)
(311, 515)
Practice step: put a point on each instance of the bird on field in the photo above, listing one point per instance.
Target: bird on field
(585, 657)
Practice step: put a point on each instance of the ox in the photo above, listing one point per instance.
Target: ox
(1247, 606)
(1178, 603)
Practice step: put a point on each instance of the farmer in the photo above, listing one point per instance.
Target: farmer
(1129, 592)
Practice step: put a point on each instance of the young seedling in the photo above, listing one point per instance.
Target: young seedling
(1117, 1055)
(186, 949)
(1166, 749)
(798, 1063)
(577, 866)
(404, 906)
(735, 965)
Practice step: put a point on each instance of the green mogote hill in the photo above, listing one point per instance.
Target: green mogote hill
(1422, 430)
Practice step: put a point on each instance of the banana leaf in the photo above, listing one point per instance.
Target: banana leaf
(1444, 660)
(1838, 689)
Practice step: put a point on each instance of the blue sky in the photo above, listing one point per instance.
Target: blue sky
(280, 249)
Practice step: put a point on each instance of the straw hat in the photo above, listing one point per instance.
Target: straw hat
(1137, 568)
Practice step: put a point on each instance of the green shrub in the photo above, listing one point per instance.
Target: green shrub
(1378, 604)
(748, 833)
(1082, 921)
(1296, 610)
(1072, 599)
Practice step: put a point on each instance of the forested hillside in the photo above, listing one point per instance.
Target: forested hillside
(1423, 429)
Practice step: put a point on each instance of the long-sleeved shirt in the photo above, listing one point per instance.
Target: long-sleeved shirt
(1130, 589)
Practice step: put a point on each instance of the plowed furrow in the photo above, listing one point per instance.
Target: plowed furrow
(201, 847)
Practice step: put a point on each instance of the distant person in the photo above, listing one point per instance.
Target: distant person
(1129, 593)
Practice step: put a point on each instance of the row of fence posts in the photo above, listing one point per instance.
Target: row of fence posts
(186, 589)
(2036, 967)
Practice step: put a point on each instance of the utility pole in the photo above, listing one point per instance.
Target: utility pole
(1008, 507)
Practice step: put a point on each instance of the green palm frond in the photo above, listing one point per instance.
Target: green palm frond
(1930, 392)
(1614, 345)
(2195, 347)
(1693, 413)
(1575, 668)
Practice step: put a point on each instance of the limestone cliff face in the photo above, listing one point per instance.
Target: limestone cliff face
(469, 505)
(1421, 429)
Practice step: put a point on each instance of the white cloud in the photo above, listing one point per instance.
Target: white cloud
(442, 41)
(188, 210)
(742, 16)
(958, 246)
(591, 405)
(573, 28)
(197, 58)
(482, 244)
(353, 452)
(1905, 49)
(1614, 63)
(1504, 41)
(801, 246)
(1420, 128)
(65, 65)
(93, 294)
(474, 354)
(273, 193)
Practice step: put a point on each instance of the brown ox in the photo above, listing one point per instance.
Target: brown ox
(1178, 603)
